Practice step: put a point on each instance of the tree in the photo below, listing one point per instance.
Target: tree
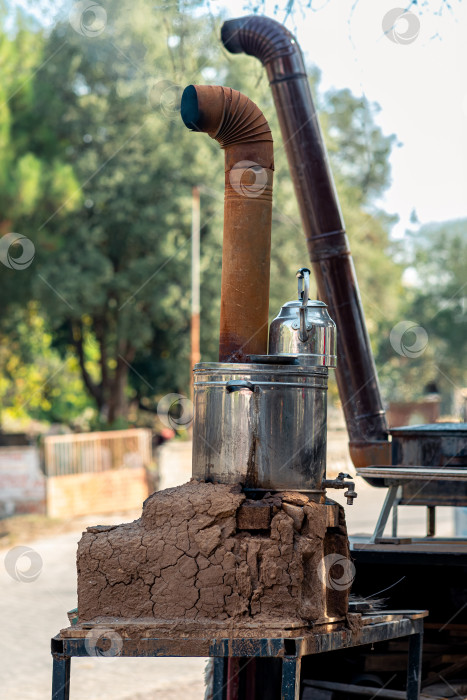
(115, 268)
(36, 382)
(290, 7)
(359, 151)
(31, 171)
(435, 306)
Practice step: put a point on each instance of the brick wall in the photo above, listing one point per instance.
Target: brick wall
(101, 492)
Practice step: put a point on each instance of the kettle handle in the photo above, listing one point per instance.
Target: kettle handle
(303, 276)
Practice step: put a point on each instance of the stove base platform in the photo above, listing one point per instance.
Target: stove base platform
(152, 641)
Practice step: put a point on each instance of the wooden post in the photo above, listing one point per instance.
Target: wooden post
(195, 281)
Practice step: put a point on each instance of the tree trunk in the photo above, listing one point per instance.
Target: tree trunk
(118, 404)
(96, 391)
(110, 393)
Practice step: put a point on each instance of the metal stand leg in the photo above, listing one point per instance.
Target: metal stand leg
(232, 678)
(431, 521)
(394, 520)
(218, 683)
(414, 667)
(61, 677)
(385, 510)
(290, 678)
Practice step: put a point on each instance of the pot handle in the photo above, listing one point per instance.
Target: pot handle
(238, 385)
(303, 276)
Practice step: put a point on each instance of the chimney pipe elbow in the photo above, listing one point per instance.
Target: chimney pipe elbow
(232, 33)
(267, 40)
(231, 119)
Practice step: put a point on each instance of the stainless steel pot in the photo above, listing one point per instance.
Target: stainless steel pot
(260, 425)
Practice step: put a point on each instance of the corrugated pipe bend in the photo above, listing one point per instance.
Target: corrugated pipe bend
(256, 36)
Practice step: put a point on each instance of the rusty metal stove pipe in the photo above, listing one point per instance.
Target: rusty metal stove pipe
(241, 129)
(322, 220)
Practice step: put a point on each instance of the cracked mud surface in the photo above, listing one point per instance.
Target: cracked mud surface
(185, 559)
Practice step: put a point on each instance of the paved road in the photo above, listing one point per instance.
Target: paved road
(32, 612)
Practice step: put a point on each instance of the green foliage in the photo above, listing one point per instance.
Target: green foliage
(36, 382)
(436, 301)
(26, 146)
(358, 149)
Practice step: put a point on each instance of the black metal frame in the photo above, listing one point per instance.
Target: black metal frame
(290, 650)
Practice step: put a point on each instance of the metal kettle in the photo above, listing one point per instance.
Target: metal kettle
(304, 328)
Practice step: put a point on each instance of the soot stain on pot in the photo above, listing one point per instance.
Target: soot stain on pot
(251, 480)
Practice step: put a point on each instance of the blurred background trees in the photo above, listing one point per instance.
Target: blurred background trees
(97, 171)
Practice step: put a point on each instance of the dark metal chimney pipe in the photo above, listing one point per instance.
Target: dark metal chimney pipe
(241, 129)
(322, 220)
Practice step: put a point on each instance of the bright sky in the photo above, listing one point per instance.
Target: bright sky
(421, 87)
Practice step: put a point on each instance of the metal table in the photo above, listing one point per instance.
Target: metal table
(318, 640)
(393, 477)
